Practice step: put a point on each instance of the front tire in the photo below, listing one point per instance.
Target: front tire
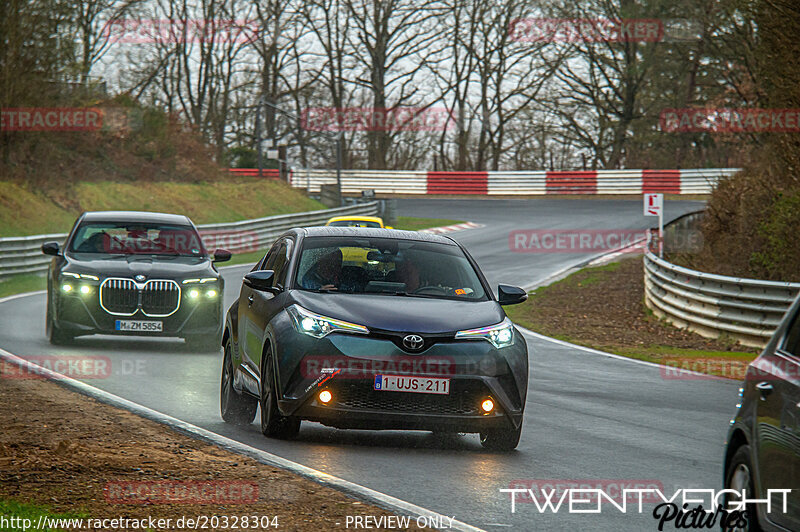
(273, 424)
(55, 334)
(503, 440)
(739, 476)
(236, 408)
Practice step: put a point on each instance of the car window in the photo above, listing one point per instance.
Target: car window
(387, 266)
(281, 263)
(792, 343)
(131, 238)
(354, 223)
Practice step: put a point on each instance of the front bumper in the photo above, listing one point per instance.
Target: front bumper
(82, 315)
(346, 365)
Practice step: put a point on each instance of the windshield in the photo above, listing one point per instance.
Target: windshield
(387, 266)
(354, 223)
(137, 238)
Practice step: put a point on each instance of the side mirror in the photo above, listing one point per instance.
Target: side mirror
(51, 248)
(388, 227)
(260, 280)
(510, 295)
(222, 255)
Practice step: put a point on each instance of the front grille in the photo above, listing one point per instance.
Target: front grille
(160, 298)
(464, 399)
(122, 297)
(119, 296)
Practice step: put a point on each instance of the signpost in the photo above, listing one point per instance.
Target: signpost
(654, 206)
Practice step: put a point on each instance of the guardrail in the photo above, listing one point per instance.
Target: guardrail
(748, 310)
(24, 255)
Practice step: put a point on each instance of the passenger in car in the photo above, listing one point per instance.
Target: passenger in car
(326, 273)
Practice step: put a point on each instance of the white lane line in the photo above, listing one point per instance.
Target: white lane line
(358, 491)
(24, 294)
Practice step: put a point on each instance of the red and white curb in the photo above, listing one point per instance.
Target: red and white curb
(451, 228)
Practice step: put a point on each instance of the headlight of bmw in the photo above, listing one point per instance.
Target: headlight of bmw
(319, 326)
(79, 283)
(206, 287)
(500, 335)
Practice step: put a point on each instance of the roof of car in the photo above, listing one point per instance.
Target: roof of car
(356, 218)
(374, 232)
(135, 216)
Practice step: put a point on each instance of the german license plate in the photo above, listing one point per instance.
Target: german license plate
(405, 383)
(139, 326)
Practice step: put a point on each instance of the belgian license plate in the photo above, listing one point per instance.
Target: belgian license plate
(405, 383)
(139, 326)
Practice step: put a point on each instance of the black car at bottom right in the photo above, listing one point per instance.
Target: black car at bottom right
(762, 452)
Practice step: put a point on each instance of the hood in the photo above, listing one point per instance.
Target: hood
(130, 265)
(402, 313)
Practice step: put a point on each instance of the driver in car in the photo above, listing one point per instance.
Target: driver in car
(408, 273)
(326, 273)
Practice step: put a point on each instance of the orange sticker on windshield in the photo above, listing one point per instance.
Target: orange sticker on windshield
(460, 291)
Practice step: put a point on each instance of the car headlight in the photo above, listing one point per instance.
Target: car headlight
(78, 283)
(500, 335)
(199, 280)
(319, 326)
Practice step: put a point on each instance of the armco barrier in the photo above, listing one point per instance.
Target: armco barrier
(712, 305)
(527, 183)
(24, 254)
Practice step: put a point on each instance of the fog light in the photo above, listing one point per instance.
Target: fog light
(194, 294)
(487, 405)
(85, 289)
(66, 287)
(325, 397)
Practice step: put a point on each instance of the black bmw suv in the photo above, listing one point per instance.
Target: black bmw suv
(134, 273)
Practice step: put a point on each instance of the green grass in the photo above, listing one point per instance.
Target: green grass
(18, 284)
(31, 512)
(410, 223)
(29, 212)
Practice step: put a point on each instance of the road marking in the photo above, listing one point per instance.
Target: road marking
(357, 491)
(451, 228)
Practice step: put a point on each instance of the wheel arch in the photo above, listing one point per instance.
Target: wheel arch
(736, 440)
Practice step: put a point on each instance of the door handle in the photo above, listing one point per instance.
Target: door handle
(250, 300)
(765, 388)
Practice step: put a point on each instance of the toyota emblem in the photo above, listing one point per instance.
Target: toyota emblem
(413, 342)
(139, 278)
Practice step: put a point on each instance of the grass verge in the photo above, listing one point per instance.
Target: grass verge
(603, 308)
(23, 517)
(30, 212)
